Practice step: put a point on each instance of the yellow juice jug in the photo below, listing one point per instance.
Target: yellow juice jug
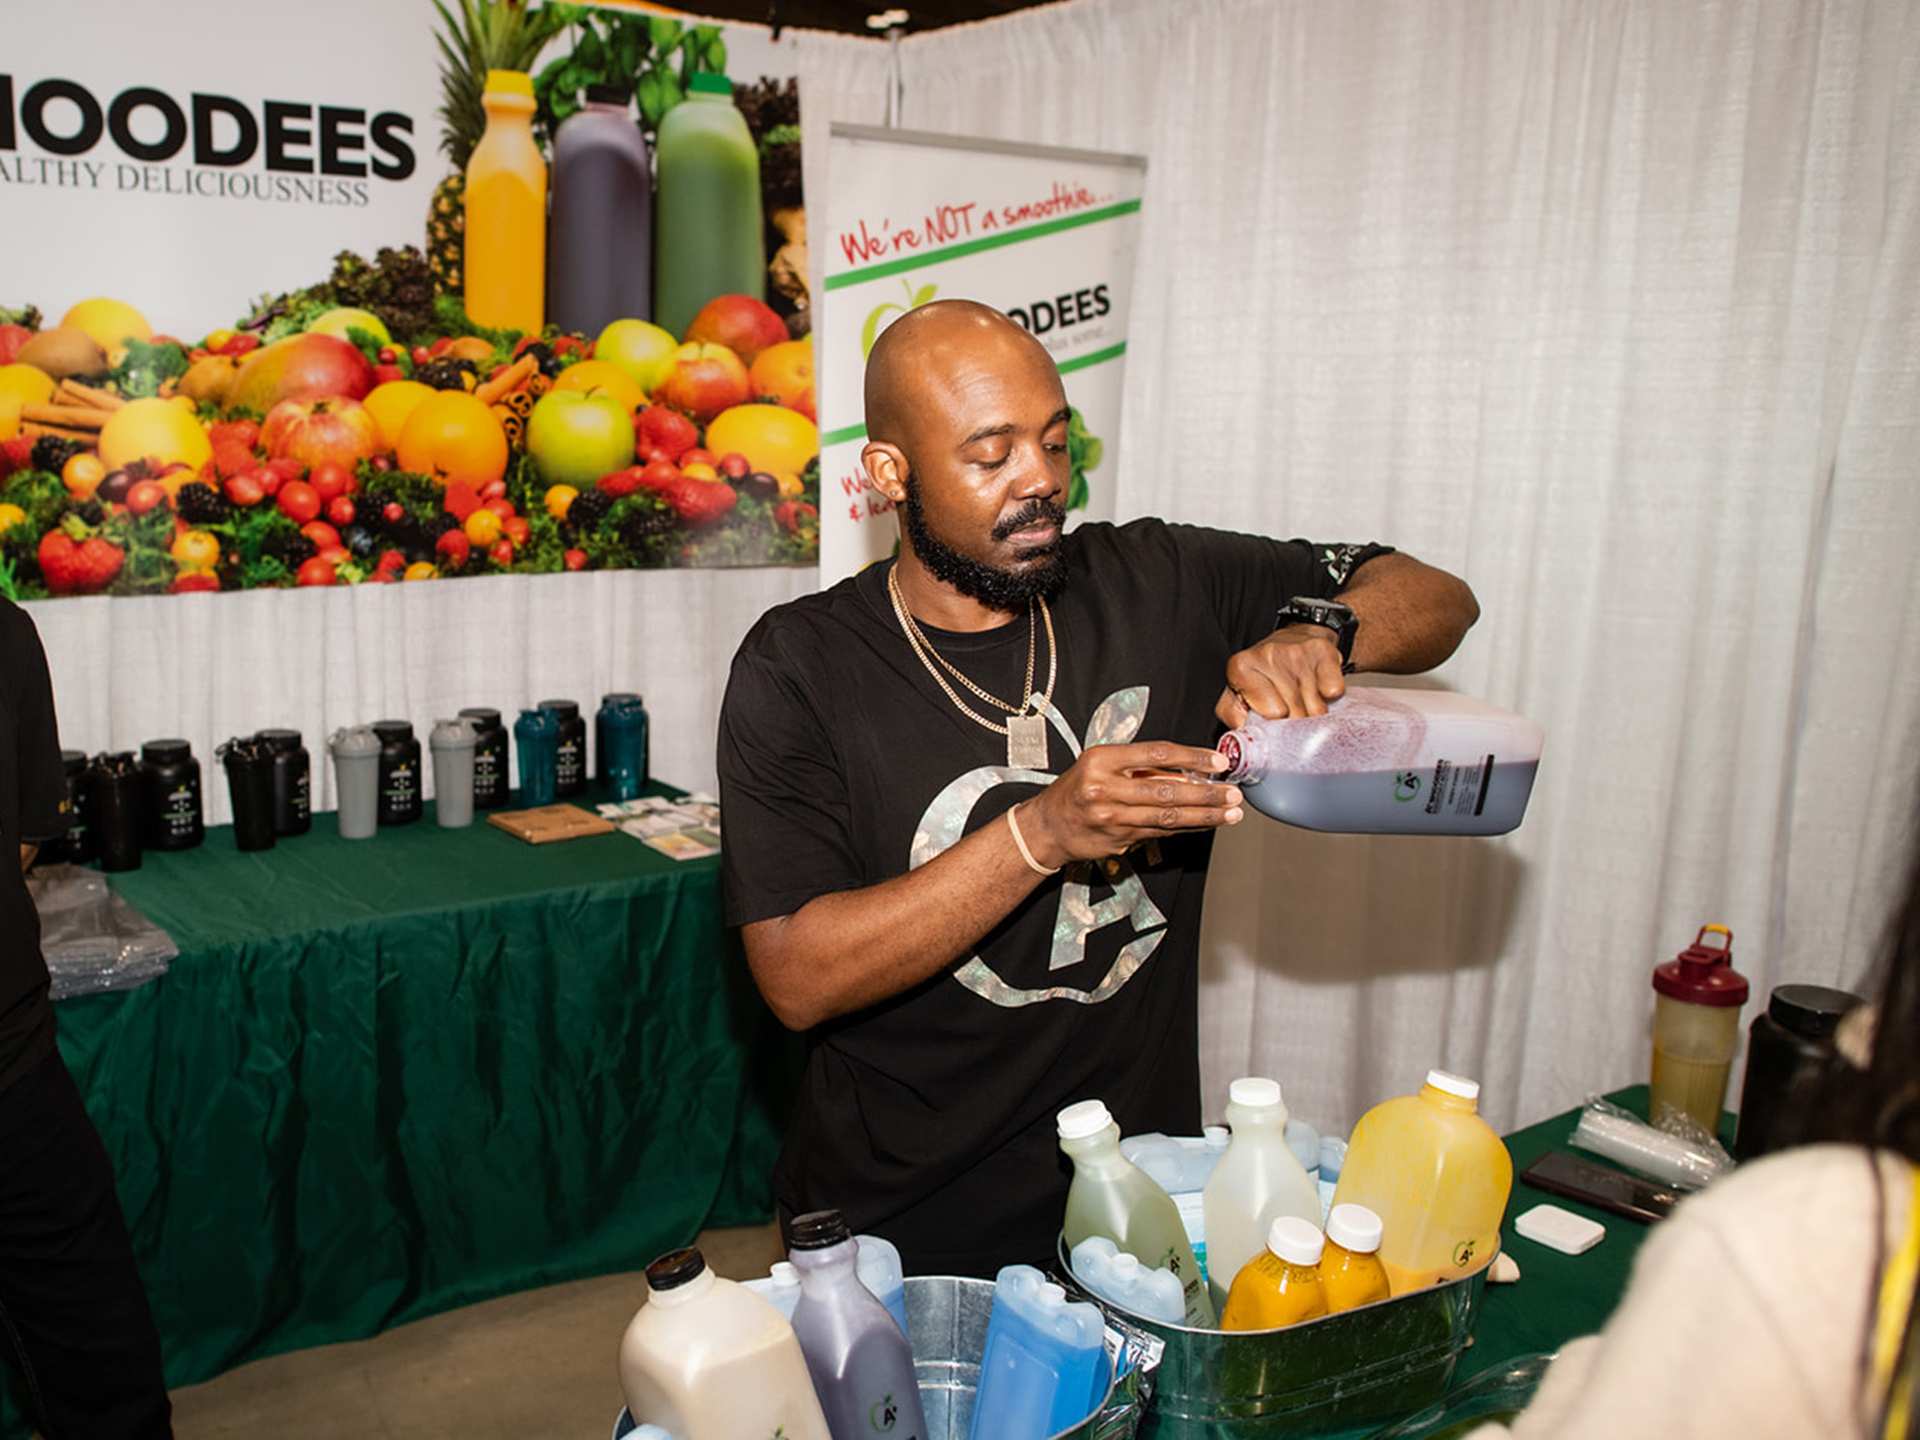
(506, 236)
(1281, 1285)
(1350, 1268)
(1438, 1178)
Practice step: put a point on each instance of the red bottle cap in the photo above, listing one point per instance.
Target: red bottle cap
(1703, 974)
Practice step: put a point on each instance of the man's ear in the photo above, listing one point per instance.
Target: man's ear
(887, 470)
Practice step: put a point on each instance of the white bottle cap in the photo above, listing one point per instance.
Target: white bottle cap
(1355, 1228)
(1297, 1241)
(783, 1272)
(1051, 1295)
(1218, 1136)
(1087, 1117)
(1254, 1092)
(1451, 1084)
(1126, 1266)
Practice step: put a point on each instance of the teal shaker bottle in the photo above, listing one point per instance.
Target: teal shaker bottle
(536, 735)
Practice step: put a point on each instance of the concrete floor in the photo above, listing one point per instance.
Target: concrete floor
(524, 1367)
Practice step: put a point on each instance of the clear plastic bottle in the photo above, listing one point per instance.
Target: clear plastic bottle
(1045, 1367)
(1281, 1285)
(862, 1369)
(1350, 1268)
(1390, 762)
(709, 1360)
(1437, 1176)
(1257, 1181)
(1111, 1197)
(600, 239)
(709, 236)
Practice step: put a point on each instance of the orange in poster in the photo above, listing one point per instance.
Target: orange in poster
(9, 416)
(154, 429)
(390, 405)
(704, 380)
(317, 431)
(773, 438)
(110, 323)
(743, 324)
(785, 371)
(453, 436)
(605, 377)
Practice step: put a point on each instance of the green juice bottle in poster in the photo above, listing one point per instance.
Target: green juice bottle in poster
(506, 236)
(708, 235)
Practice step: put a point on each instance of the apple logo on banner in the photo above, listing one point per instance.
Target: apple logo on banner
(1115, 722)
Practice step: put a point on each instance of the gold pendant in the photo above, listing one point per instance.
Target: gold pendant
(1027, 742)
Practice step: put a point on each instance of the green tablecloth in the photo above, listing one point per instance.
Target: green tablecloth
(389, 1077)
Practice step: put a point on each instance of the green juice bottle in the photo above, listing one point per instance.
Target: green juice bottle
(708, 234)
(1110, 1196)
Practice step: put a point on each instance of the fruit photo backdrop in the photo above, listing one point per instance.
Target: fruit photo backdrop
(405, 415)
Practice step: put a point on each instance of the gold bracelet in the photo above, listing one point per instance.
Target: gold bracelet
(1026, 854)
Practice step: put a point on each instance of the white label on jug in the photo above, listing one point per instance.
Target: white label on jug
(303, 796)
(1460, 787)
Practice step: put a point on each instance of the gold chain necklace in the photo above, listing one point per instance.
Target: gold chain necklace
(1026, 732)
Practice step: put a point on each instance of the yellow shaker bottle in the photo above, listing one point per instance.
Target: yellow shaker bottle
(1696, 1027)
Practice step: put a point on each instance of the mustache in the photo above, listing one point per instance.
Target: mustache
(1029, 516)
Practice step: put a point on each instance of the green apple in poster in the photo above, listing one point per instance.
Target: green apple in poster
(576, 436)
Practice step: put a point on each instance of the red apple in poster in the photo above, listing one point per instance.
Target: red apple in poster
(12, 337)
(704, 380)
(321, 432)
(743, 324)
(300, 367)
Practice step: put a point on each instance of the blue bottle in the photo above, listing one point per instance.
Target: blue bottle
(620, 744)
(1045, 1368)
(536, 735)
(881, 1272)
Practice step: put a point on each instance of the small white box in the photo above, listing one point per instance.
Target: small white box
(1559, 1229)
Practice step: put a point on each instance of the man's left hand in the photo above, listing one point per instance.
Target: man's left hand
(1291, 674)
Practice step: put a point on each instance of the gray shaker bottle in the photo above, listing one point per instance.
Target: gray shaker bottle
(452, 742)
(356, 780)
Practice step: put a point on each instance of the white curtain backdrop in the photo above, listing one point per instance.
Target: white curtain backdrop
(1610, 308)
(207, 667)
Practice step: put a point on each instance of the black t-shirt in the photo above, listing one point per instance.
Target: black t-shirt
(33, 808)
(929, 1118)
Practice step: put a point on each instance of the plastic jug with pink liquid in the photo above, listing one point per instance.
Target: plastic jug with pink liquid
(1390, 762)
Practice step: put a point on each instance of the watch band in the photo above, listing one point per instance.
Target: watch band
(1328, 614)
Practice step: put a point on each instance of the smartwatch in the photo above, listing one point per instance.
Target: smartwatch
(1305, 610)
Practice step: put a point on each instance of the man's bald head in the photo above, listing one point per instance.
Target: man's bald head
(922, 359)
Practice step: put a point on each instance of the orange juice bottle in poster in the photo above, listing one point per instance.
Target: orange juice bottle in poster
(506, 239)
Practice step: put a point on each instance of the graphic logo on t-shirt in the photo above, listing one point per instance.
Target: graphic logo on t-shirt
(1115, 722)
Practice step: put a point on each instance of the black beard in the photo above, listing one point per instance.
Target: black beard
(1007, 590)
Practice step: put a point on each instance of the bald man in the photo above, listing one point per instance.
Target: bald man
(963, 838)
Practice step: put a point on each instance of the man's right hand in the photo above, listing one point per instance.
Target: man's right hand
(1117, 796)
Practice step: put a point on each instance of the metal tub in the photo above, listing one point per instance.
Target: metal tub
(1361, 1367)
(947, 1324)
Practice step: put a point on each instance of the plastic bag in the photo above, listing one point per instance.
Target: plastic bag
(1684, 1156)
(93, 939)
